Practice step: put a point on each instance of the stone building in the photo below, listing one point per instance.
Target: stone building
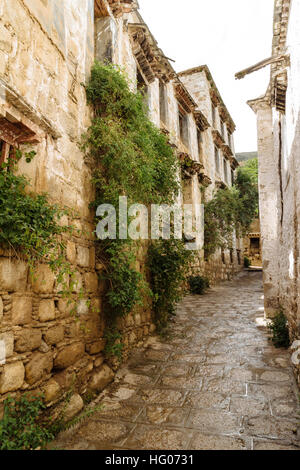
(278, 120)
(47, 49)
(217, 155)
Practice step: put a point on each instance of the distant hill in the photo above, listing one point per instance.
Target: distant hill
(243, 157)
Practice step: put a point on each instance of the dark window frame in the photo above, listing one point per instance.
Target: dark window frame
(183, 123)
(232, 177)
(217, 159)
(225, 167)
(163, 102)
(214, 115)
(7, 152)
(200, 143)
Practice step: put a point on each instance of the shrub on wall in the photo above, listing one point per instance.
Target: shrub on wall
(169, 263)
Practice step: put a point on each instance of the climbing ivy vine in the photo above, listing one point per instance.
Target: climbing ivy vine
(169, 262)
(130, 157)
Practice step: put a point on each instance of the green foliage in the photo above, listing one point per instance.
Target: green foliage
(31, 226)
(220, 218)
(198, 284)
(247, 262)
(28, 223)
(231, 209)
(130, 157)
(169, 262)
(114, 346)
(23, 426)
(250, 168)
(88, 397)
(280, 332)
(125, 282)
(247, 185)
(20, 428)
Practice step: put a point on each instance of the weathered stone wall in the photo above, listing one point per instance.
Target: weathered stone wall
(268, 182)
(46, 52)
(279, 164)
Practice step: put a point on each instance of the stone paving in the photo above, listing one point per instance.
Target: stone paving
(216, 383)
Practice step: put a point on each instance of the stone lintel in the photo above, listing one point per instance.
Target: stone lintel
(189, 166)
(264, 102)
(218, 139)
(201, 120)
(204, 180)
(15, 105)
(184, 98)
(227, 151)
(120, 7)
(149, 57)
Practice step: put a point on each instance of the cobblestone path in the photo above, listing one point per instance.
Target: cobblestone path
(217, 383)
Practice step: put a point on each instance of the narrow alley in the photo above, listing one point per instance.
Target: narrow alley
(216, 383)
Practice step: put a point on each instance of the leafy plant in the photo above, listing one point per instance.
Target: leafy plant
(20, 427)
(132, 156)
(24, 427)
(125, 283)
(250, 168)
(28, 222)
(31, 226)
(230, 210)
(247, 184)
(247, 262)
(279, 328)
(169, 263)
(60, 423)
(114, 346)
(198, 284)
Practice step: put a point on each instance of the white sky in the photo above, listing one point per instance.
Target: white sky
(228, 36)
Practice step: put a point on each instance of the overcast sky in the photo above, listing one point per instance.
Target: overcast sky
(228, 36)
